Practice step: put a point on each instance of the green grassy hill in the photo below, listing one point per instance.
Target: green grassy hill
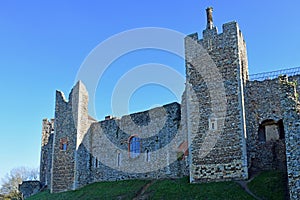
(267, 185)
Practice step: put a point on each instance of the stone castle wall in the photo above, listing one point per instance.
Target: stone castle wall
(226, 159)
(85, 151)
(63, 161)
(274, 101)
(291, 120)
(71, 123)
(29, 188)
(46, 152)
(263, 104)
(104, 154)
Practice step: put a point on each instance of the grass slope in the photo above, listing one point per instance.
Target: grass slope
(267, 185)
(181, 189)
(103, 190)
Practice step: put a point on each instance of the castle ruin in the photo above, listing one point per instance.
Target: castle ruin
(226, 127)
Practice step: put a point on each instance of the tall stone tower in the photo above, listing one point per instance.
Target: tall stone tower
(216, 70)
(46, 152)
(71, 124)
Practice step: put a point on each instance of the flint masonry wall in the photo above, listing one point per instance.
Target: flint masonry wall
(275, 100)
(71, 120)
(104, 153)
(291, 120)
(46, 152)
(262, 104)
(63, 162)
(85, 151)
(227, 159)
(29, 188)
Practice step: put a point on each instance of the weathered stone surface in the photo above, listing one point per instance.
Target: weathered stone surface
(46, 152)
(29, 188)
(99, 151)
(226, 159)
(104, 155)
(262, 103)
(291, 120)
(71, 124)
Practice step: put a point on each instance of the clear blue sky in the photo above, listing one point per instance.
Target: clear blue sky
(42, 46)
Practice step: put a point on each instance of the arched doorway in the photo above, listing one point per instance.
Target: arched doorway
(269, 147)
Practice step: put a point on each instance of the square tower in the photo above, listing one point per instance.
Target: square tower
(216, 71)
(70, 127)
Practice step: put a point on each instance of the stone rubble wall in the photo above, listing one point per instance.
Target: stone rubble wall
(227, 159)
(90, 155)
(46, 152)
(106, 140)
(81, 119)
(29, 188)
(71, 122)
(263, 103)
(275, 99)
(63, 162)
(291, 119)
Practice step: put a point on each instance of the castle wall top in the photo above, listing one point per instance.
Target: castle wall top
(211, 31)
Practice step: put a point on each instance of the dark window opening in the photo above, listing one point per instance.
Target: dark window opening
(64, 144)
(147, 156)
(119, 160)
(134, 147)
(64, 147)
(213, 126)
(91, 162)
